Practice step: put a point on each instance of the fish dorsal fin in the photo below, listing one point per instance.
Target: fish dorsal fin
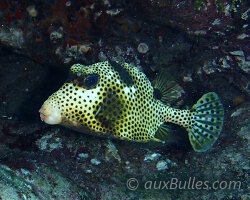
(166, 89)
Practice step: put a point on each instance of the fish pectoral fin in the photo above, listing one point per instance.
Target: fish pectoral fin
(166, 89)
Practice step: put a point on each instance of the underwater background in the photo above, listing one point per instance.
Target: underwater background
(203, 46)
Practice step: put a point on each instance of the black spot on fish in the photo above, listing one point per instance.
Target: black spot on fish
(125, 76)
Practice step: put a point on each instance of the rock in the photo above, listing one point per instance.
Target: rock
(240, 116)
(244, 15)
(245, 197)
(242, 63)
(32, 11)
(244, 131)
(187, 78)
(49, 143)
(190, 17)
(12, 37)
(152, 157)
(88, 171)
(164, 164)
(19, 74)
(112, 152)
(83, 156)
(56, 35)
(44, 183)
(237, 112)
(202, 49)
(94, 161)
(237, 53)
(224, 62)
(113, 12)
(242, 36)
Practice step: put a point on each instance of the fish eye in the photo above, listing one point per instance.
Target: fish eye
(91, 81)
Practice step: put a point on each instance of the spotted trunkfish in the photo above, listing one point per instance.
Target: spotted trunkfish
(115, 99)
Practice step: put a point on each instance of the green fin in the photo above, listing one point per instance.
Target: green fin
(207, 122)
(164, 132)
(166, 89)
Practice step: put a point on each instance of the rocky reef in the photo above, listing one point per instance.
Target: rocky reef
(202, 45)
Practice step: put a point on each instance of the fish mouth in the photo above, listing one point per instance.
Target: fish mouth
(42, 116)
(50, 114)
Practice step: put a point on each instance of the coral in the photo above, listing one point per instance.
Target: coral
(142, 48)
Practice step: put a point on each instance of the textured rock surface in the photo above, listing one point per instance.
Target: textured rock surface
(202, 48)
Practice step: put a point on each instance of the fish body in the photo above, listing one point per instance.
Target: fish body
(116, 99)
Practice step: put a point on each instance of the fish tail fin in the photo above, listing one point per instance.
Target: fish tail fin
(206, 122)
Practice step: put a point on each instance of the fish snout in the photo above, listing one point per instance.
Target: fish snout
(50, 114)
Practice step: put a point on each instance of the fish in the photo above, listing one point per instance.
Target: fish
(115, 99)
